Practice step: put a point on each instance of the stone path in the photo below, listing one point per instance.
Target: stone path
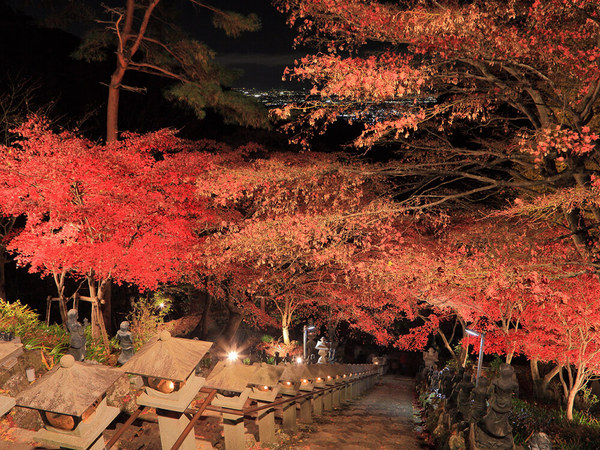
(381, 419)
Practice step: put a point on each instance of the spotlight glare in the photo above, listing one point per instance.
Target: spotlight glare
(299, 360)
(232, 356)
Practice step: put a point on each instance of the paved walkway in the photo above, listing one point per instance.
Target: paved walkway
(381, 419)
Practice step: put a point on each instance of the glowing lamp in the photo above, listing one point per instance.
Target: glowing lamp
(304, 381)
(232, 356)
(319, 379)
(299, 360)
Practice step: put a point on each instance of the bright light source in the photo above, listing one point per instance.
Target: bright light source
(161, 305)
(310, 327)
(232, 356)
(472, 333)
(299, 360)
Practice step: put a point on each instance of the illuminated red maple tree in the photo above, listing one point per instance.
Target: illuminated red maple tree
(126, 211)
(486, 96)
(309, 232)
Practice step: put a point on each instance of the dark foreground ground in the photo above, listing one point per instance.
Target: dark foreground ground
(382, 418)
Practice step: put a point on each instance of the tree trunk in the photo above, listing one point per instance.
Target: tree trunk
(571, 403)
(201, 329)
(112, 106)
(286, 335)
(106, 308)
(547, 378)
(2, 273)
(233, 324)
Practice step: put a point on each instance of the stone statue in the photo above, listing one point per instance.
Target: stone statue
(77, 334)
(463, 399)
(125, 339)
(446, 381)
(495, 431)
(479, 400)
(323, 348)
(540, 441)
(430, 357)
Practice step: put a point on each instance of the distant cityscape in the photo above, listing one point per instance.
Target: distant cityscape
(277, 98)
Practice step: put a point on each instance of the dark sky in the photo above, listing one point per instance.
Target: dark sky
(262, 55)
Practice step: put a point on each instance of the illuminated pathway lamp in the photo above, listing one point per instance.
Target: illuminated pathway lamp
(321, 375)
(167, 366)
(340, 377)
(265, 387)
(294, 378)
(480, 358)
(232, 379)
(71, 399)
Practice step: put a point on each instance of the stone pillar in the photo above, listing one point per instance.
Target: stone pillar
(233, 427)
(335, 397)
(266, 424)
(327, 400)
(306, 410)
(289, 417)
(317, 405)
(171, 424)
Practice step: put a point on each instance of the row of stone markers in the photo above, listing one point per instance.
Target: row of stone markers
(71, 398)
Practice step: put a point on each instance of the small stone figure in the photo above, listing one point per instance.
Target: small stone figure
(540, 441)
(479, 400)
(323, 348)
(277, 358)
(463, 398)
(430, 357)
(262, 356)
(446, 381)
(495, 430)
(125, 339)
(77, 334)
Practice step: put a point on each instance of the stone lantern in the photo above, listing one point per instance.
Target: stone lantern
(10, 349)
(232, 379)
(320, 372)
(265, 387)
(341, 378)
(167, 366)
(71, 399)
(6, 404)
(296, 379)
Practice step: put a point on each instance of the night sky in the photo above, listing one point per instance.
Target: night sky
(262, 55)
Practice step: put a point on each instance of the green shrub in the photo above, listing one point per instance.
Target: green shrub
(582, 433)
(148, 318)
